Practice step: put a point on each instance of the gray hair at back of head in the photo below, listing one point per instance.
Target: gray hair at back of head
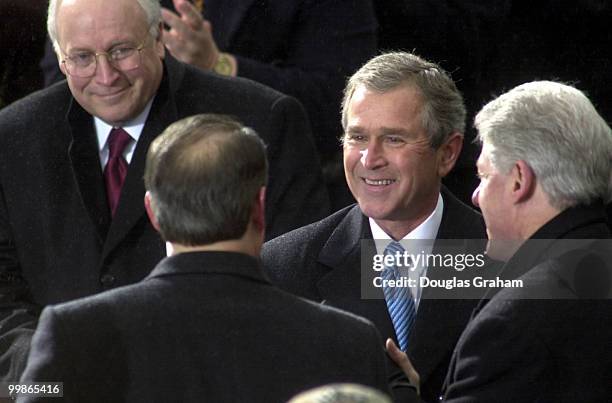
(443, 108)
(204, 173)
(341, 393)
(556, 130)
(151, 8)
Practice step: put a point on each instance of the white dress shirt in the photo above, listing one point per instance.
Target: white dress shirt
(133, 128)
(427, 230)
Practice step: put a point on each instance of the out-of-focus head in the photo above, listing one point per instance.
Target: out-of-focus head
(204, 175)
(341, 393)
(403, 120)
(111, 53)
(548, 131)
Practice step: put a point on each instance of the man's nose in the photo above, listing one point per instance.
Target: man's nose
(372, 157)
(475, 195)
(106, 73)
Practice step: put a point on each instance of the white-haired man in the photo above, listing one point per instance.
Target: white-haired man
(545, 170)
(72, 158)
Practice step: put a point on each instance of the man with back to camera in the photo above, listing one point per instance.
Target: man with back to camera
(205, 324)
(72, 157)
(403, 119)
(545, 172)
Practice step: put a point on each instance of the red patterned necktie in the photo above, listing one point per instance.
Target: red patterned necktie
(116, 167)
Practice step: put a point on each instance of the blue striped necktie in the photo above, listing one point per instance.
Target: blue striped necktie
(399, 299)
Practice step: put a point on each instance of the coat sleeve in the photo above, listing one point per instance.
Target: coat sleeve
(297, 195)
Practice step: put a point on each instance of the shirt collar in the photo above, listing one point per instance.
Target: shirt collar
(132, 127)
(428, 229)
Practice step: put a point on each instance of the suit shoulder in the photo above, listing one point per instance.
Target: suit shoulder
(220, 88)
(278, 118)
(325, 316)
(50, 102)
(582, 273)
(109, 303)
(304, 240)
(291, 260)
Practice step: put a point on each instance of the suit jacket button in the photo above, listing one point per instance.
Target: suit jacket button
(107, 280)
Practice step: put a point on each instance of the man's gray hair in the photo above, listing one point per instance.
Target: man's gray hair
(151, 8)
(556, 130)
(443, 108)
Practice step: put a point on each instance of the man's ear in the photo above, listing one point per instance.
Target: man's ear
(448, 153)
(148, 201)
(523, 181)
(258, 215)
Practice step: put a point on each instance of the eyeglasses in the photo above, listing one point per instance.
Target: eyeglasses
(84, 64)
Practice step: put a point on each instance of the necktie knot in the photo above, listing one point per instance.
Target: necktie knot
(393, 248)
(396, 250)
(117, 141)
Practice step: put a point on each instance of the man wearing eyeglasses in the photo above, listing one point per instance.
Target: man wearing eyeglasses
(72, 221)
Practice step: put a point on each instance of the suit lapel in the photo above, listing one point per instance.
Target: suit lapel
(440, 321)
(438, 324)
(341, 286)
(85, 161)
(131, 202)
(227, 17)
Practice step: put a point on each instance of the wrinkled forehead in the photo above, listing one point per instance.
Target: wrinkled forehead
(99, 5)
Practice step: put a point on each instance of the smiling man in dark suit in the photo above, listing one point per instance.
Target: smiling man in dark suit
(302, 48)
(72, 159)
(403, 119)
(205, 325)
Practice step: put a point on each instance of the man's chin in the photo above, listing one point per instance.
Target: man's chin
(374, 212)
(115, 115)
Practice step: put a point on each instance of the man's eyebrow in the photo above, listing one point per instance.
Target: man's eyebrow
(80, 49)
(381, 133)
(354, 129)
(113, 44)
(123, 42)
(398, 131)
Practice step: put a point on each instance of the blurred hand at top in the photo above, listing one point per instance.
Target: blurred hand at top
(189, 36)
